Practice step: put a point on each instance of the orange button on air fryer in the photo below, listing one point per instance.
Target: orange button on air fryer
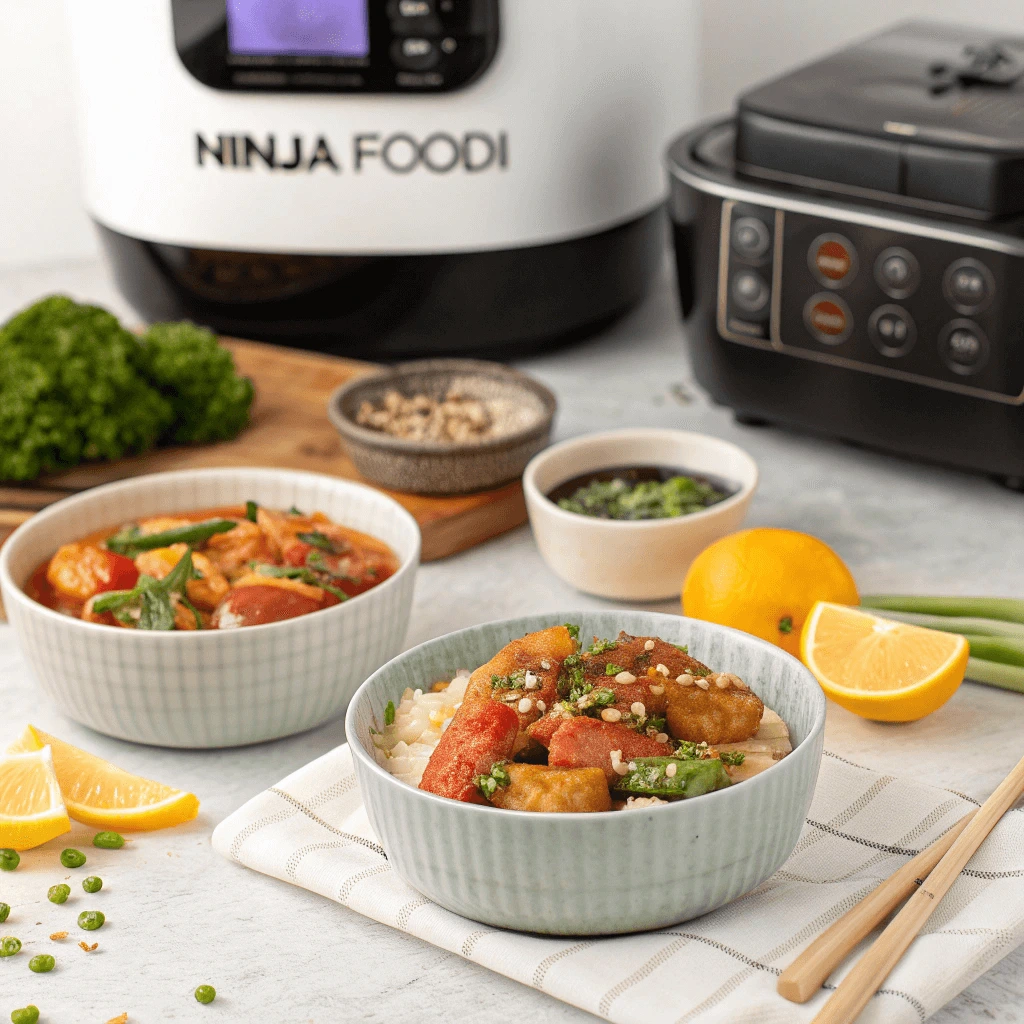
(833, 260)
(828, 318)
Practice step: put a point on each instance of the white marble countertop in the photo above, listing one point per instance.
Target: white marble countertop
(180, 916)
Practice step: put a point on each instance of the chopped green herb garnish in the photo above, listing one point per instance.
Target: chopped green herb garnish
(689, 751)
(293, 511)
(649, 499)
(389, 713)
(513, 681)
(588, 699)
(250, 511)
(131, 540)
(685, 648)
(318, 540)
(315, 560)
(574, 631)
(732, 757)
(498, 777)
(297, 572)
(613, 670)
(602, 646)
(148, 604)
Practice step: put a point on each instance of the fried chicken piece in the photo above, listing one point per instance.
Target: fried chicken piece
(713, 709)
(479, 735)
(527, 673)
(538, 787)
(589, 742)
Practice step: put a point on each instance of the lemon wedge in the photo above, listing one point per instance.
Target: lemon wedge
(31, 809)
(880, 669)
(100, 794)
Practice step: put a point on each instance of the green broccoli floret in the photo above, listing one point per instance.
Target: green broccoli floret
(210, 401)
(72, 387)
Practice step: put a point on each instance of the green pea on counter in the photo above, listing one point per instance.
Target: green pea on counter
(92, 884)
(5, 912)
(9, 946)
(90, 920)
(58, 893)
(72, 858)
(108, 840)
(206, 994)
(9, 859)
(42, 963)
(26, 1015)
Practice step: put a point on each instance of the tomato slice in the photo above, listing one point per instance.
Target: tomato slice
(122, 573)
(257, 605)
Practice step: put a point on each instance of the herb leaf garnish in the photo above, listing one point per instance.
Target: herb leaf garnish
(490, 783)
(131, 540)
(150, 597)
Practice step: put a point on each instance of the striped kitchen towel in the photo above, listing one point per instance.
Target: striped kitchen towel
(312, 830)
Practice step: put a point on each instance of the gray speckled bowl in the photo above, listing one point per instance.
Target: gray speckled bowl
(434, 467)
(594, 874)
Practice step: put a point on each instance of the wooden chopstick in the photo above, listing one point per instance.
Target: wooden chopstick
(808, 972)
(868, 974)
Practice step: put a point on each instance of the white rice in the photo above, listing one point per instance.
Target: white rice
(405, 746)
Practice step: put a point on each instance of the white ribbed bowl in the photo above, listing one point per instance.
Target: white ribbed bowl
(214, 688)
(594, 874)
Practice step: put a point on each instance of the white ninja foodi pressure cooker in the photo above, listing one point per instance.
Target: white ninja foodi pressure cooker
(382, 177)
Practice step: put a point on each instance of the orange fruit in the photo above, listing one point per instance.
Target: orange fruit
(765, 581)
(880, 669)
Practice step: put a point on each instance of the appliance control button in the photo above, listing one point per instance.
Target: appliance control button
(414, 17)
(897, 272)
(828, 318)
(964, 347)
(892, 331)
(415, 53)
(750, 291)
(969, 285)
(833, 260)
(751, 237)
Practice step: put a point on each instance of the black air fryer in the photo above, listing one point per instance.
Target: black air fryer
(850, 248)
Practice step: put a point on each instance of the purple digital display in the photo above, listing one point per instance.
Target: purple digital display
(332, 28)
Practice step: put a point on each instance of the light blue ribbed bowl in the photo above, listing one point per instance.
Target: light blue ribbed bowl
(594, 874)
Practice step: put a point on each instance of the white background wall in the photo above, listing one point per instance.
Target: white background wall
(41, 215)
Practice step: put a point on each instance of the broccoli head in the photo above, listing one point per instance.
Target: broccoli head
(73, 387)
(197, 376)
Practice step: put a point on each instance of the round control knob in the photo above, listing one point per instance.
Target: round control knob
(750, 291)
(833, 260)
(897, 272)
(969, 285)
(751, 237)
(963, 347)
(892, 331)
(828, 318)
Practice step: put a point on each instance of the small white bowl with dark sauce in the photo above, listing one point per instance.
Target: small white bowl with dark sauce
(606, 536)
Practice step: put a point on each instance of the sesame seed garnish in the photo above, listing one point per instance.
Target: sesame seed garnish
(649, 646)
(723, 682)
(663, 669)
(530, 681)
(671, 769)
(541, 706)
(625, 677)
(685, 679)
(632, 766)
(703, 684)
(662, 737)
(657, 690)
(611, 714)
(620, 769)
(638, 708)
(525, 705)
(546, 665)
(418, 693)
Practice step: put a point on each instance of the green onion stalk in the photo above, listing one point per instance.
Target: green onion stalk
(992, 626)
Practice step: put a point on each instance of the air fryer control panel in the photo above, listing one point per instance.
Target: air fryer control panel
(343, 46)
(935, 309)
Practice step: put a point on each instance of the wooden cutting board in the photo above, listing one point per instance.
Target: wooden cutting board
(290, 430)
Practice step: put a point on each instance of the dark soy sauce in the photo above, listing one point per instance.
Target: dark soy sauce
(637, 475)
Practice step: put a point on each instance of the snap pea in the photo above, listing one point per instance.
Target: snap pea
(90, 920)
(9, 859)
(42, 963)
(58, 893)
(92, 884)
(653, 776)
(131, 540)
(206, 994)
(26, 1015)
(108, 840)
(10, 946)
(72, 858)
